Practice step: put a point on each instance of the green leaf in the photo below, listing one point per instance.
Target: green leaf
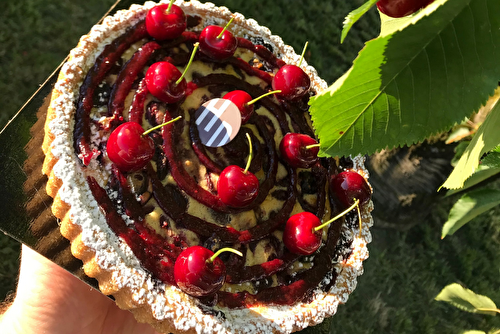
(489, 167)
(486, 138)
(390, 25)
(412, 83)
(459, 151)
(469, 206)
(354, 16)
(473, 332)
(467, 300)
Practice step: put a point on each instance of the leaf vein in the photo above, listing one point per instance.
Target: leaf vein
(388, 113)
(474, 38)
(333, 117)
(463, 62)
(428, 118)
(413, 104)
(347, 90)
(363, 130)
(397, 74)
(373, 122)
(399, 105)
(445, 65)
(488, 20)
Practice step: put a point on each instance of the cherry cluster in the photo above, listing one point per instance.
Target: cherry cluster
(198, 271)
(129, 147)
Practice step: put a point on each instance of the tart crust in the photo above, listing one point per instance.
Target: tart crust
(111, 262)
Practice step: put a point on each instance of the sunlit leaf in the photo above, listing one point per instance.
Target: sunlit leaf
(390, 25)
(459, 150)
(489, 167)
(487, 137)
(473, 332)
(354, 16)
(409, 84)
(469, 206)
(467, 300)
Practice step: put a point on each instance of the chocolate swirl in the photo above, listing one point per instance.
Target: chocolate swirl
(181, 176)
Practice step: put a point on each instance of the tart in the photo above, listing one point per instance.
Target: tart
(129, 226)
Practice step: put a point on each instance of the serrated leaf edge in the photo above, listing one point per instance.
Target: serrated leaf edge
(382, 90)
(449, 227)
(462, 163)
(354, 16)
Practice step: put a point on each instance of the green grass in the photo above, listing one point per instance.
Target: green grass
(405, 271)
(35, 36)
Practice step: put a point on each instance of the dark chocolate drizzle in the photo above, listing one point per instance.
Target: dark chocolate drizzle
(104, 63)
(124, 80)
(157, 253)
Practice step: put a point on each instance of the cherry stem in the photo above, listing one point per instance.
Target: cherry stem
(250, 156)
(308, 147)
(161, 125)
(225, 28)
(189, 63)
(170, 6)
(263, 95)
(222, 250)
(356, 203)
(360, 223)
(303, 53)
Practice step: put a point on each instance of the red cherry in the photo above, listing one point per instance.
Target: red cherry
(236, 187)
(241, 98)
(217, 47)
(161, 80)
(293, 149)
(164, 24)
(196, 275)
(401, 8)
(349, 186)
(293, 82)
(244, 102)
(300, 236)
(128, 148)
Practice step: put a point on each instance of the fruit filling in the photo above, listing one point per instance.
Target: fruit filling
(171, 201)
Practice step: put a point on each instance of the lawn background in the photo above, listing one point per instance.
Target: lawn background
(405, 271)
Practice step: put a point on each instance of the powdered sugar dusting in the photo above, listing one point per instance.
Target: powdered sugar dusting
(167, 302)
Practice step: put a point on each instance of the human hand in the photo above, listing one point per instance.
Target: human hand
(51, 300)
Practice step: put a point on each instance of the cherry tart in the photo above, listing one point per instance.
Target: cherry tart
(135, 221)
